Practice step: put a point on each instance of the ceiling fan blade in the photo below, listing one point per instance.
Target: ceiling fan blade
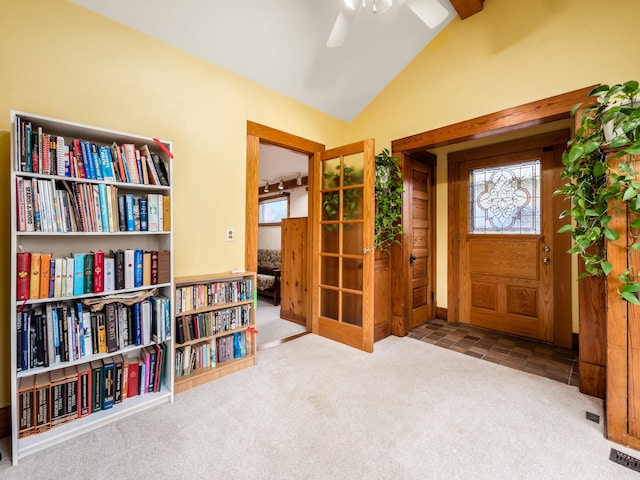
(339, 32)
(431, 12)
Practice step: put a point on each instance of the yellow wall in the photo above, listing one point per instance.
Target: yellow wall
(60, 60)
(511, 53)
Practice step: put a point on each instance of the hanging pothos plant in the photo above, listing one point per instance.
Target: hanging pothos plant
(388, 221)
(610, 125)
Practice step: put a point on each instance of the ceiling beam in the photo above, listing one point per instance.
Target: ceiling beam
(466, 8)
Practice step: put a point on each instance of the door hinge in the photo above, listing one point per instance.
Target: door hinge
(433, 297)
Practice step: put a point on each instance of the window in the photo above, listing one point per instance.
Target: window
(271, 210)
(505, 199)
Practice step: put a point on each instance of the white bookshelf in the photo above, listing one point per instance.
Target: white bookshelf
(65, 243)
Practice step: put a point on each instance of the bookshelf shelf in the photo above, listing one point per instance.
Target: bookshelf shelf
(92, 278)
(214, 313)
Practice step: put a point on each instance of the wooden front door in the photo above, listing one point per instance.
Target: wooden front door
(342, 190)
(419, 181)
(508, 275)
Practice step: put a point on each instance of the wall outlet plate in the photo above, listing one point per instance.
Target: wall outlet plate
(230, 234)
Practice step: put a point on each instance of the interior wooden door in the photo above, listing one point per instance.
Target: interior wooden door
(505, 243)
(419, 181)
(342, 190)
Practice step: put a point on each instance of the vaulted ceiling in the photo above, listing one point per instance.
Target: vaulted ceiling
(282, 44)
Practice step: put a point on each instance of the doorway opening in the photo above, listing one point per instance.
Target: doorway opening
(515, 122)
(277, 167)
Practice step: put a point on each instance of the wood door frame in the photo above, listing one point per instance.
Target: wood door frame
(530, 114)
(550, 177)
(257, 133)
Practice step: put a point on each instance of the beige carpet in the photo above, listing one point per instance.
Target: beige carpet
(314, 409)
(271, 327)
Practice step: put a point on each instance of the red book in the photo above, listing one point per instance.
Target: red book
(98, 271)
(132, 381)
(79, 158)
(23, 267)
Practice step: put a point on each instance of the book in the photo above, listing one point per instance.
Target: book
(26, 411)
(58, 397)
(60, 274)
(161, 169)
(87, 331)
(28, 205)
(71, 392)
(34, 277)
(152, 212)
(153, 267)
(146, 268)
(111, 327)
(84, 389)
(166, 213)
(108, 375)
(133, 379)
(129, 268)
(45, 264)
(105, 163)
(70, 271)
(118, 361)
(98, 272)
(42, 402)
(104, 211)
(102, 332)
(95, 160)
(164, 266)
(109, 274)
(78, 273)
(23, 275)
(129, 210)
(88, 273)
(52, 277)
(144, 218)
(138, 269)
(153, 355)
(21, 212)
(117, 154)
(97, 385)
(131, 162)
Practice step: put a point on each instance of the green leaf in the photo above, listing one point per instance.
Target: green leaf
(629, 193)
(599, 169)
(631, 287)
(606, 267)
(630, 297)
(611, 234)
(565, 228)
(633, 149)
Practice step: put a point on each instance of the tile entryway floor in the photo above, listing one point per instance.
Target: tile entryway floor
(515, 352)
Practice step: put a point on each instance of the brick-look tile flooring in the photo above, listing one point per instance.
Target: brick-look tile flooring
(516, 352)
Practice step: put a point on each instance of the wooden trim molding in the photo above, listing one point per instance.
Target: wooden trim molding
(467, 8)
(534, 113)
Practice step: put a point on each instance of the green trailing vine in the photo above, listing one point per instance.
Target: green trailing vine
(388, 221)
(610, 124)
(388, 191)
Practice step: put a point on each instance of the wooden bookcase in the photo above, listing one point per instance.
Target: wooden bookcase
(210, 308)
(83, 218)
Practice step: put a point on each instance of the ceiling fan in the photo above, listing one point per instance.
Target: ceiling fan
(431, 12)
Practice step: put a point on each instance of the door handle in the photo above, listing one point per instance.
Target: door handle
(412, 258)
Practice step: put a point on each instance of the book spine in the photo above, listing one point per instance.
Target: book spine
(95, 161)
(98, 272)
(104, 213)
(21, 210)
(111, 327)
(144, 219)
(88, 273)
(129, 269)
(109, 274)
(28, 205)
(129, 212)
(45, 263)
(130, 160)
(138, 272)
(78, 273)
(23, 271)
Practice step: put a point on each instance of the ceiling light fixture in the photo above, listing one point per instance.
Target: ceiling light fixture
(266, 188)
(431, 12)
(281, 185)
(299, 180)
